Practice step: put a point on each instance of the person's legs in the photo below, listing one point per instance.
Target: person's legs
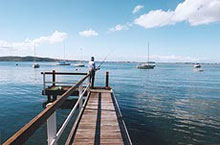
(93, 78)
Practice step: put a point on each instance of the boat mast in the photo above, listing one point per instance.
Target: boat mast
(34, 53)
(148, 52)
(81, 54)
(64, 59)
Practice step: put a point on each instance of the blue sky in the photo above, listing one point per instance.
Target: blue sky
(178, 30)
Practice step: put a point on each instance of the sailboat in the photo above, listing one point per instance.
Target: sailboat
(79, 64)
(35, 64)
(197, 65)
(64, 62)
(148, 64)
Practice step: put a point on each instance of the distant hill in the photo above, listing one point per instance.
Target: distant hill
(26, 58)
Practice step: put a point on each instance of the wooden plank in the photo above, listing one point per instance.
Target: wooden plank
(85, 134)
(110, 131)
(100, 91)
(107, 131)
(64, 73)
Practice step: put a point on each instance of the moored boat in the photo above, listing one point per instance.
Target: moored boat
(35, 65)
(148, 64)
(63, 63)
(197, 65)
(79, 65)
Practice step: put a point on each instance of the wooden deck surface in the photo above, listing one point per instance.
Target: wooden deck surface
(99, 124)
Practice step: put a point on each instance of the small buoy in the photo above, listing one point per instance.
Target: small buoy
(16, 64)
(76, 69)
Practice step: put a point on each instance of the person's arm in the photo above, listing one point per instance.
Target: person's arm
(96, 68)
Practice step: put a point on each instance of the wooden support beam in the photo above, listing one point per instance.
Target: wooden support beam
(54, 78)
(107, 80)
(63, 73)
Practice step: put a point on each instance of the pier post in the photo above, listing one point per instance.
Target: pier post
(81, 99)
(89, 84)
(107, 80)
(44, 84)
(54, 78)
(54, 83)
(51, 127)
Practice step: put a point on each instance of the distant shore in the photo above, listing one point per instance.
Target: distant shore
(47, 59)
(32, 58)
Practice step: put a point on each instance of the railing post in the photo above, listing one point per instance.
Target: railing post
(107, 80)
(89, 85)
(51, 128)
(81, 99)
(44, 85)
(54, 78)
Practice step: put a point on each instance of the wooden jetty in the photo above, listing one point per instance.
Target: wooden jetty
(98, 122)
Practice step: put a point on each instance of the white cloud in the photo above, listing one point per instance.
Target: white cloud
(156, 18)
(54, 38)
(137, 9)
(27, 43)
(88, 33)
(195, 12)
(119, 28)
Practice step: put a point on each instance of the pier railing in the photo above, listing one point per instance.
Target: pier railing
(54, 74)
(49, 114)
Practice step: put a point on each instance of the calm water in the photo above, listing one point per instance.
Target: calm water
(169, 105)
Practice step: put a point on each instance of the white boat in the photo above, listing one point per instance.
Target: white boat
(35, 64)
(148, 64)
(79, 65)
(64, 62)
(197, 65)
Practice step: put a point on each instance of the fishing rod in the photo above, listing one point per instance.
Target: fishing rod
(103, 60)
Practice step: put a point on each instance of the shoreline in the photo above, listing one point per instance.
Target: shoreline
(48, 59)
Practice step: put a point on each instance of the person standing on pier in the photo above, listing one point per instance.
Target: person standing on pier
(92, 70)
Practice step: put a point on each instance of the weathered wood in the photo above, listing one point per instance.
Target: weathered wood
(107, 80)
(64, 73)
(24, 133)
(54, 78)
(99, 122)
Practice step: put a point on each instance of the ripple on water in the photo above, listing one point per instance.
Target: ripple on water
(170, 105)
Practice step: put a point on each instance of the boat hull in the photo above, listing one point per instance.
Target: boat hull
(79, 65)
(197, 66)
(35, 65)
(63, 63)
(146, 66)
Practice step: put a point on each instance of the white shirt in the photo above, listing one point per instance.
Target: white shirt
(91, 65)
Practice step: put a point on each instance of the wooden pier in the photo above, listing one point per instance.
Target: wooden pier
(98, 122)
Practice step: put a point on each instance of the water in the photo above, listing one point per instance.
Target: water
(169, 105)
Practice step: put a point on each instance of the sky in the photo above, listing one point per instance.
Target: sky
(177, 30)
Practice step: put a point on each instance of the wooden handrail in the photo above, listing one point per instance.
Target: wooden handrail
(25, 132)
(63, 73)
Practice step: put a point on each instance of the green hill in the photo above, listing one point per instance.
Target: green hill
(26, 58)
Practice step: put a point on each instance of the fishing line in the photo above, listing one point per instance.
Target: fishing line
(104, 60)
